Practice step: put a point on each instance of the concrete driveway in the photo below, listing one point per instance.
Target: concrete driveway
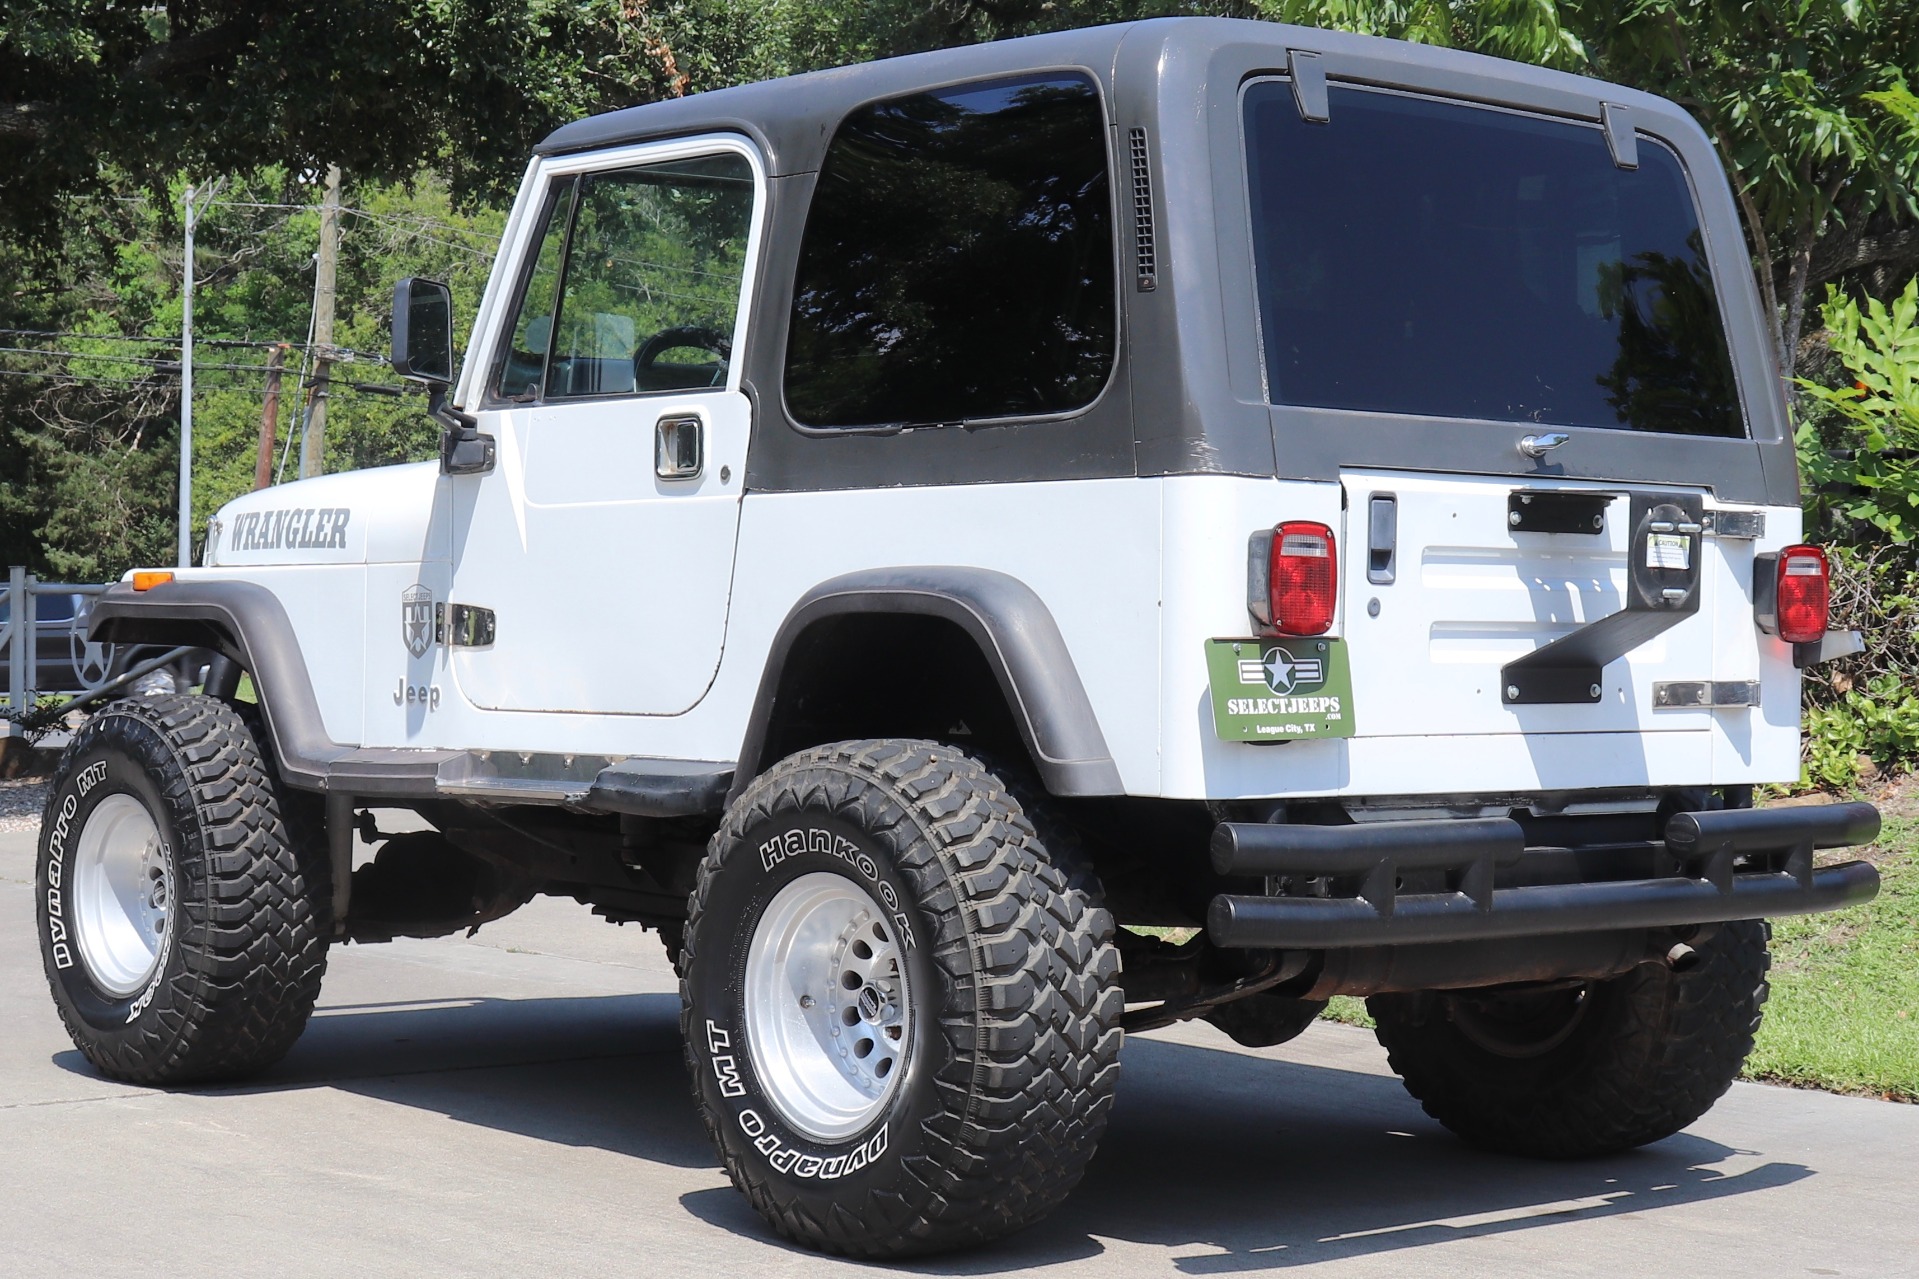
(515, 1105)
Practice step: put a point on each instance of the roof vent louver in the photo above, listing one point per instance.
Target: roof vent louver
(1145, 250)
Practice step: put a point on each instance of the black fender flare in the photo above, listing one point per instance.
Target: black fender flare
(245, 622)
(1015, 633)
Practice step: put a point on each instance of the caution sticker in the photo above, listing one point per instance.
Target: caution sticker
(1669, 550)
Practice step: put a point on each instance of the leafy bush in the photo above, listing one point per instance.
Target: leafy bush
(1878, 721)
(1870, 482)
(1859, 459)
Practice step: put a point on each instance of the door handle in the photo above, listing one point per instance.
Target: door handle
(679, 451)
(1382, 537)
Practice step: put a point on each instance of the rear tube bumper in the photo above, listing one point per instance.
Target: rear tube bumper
(1711, 857)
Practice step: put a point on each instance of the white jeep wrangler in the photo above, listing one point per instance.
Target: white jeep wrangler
(1329, 496)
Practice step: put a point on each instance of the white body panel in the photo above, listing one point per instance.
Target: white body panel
(1094, 551)
(635, 616)
(628, 574)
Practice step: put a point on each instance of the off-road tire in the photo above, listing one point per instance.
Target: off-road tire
(1651, 1051)
(673, 941)
(240, 966)
(1014, 1040)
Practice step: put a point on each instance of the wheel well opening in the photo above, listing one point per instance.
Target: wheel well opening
(173, 632)
(890, 675)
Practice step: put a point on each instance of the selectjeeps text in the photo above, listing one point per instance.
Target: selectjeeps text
(924, 535)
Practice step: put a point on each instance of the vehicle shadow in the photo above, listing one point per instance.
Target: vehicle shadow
(1239, 1161)
(1248, 1163)
(601, 1071)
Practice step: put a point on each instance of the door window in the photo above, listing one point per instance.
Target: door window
(524, 361)
(644, 295)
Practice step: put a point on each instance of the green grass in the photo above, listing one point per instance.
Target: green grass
(1348, 1011)
(1844, 1012)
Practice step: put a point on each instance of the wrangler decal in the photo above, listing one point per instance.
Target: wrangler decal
(296, 528)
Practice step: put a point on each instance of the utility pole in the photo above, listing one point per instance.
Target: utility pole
(313, 443)
(269, 417)
(192, 215)
(186, 385)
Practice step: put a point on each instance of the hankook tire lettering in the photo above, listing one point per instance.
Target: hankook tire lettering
(794, 842)
(146, 996)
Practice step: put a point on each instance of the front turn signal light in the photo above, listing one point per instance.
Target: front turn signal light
(146, 580)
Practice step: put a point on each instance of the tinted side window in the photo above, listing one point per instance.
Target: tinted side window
(957, 262)
(1438, 259)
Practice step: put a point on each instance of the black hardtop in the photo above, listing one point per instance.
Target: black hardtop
(1187, 394)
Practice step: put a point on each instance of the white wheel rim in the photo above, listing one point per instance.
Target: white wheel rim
(120, 889)
(828, 1006)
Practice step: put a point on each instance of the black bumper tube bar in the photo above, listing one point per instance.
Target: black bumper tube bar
(1701, 850)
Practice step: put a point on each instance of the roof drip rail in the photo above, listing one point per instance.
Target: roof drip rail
(1309, 85)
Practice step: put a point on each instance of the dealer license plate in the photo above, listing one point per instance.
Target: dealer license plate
(1279, 690)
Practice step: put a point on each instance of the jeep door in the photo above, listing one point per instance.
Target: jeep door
(593, 563)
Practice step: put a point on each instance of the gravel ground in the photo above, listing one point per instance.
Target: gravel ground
(21, 801)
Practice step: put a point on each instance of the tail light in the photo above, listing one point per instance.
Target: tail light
(1302, 579)
(1803, 594)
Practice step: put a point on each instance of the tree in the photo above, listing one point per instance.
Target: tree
(89, 424)
(94, 92)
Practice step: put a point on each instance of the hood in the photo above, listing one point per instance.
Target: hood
(390, 514)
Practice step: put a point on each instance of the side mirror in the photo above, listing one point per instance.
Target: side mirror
(423, 331)
(423, 352)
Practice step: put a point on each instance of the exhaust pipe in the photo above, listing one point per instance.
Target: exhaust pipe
(1682, 958)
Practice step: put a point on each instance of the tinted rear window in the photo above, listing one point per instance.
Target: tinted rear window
(1431, 258)
(957, 262)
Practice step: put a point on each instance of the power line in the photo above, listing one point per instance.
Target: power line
(160, 380)
(144, 361)
(138, 337)
(84, 355)
(155, 382)
(418, 219)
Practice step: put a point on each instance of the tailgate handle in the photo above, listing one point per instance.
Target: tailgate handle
(1382, 535)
